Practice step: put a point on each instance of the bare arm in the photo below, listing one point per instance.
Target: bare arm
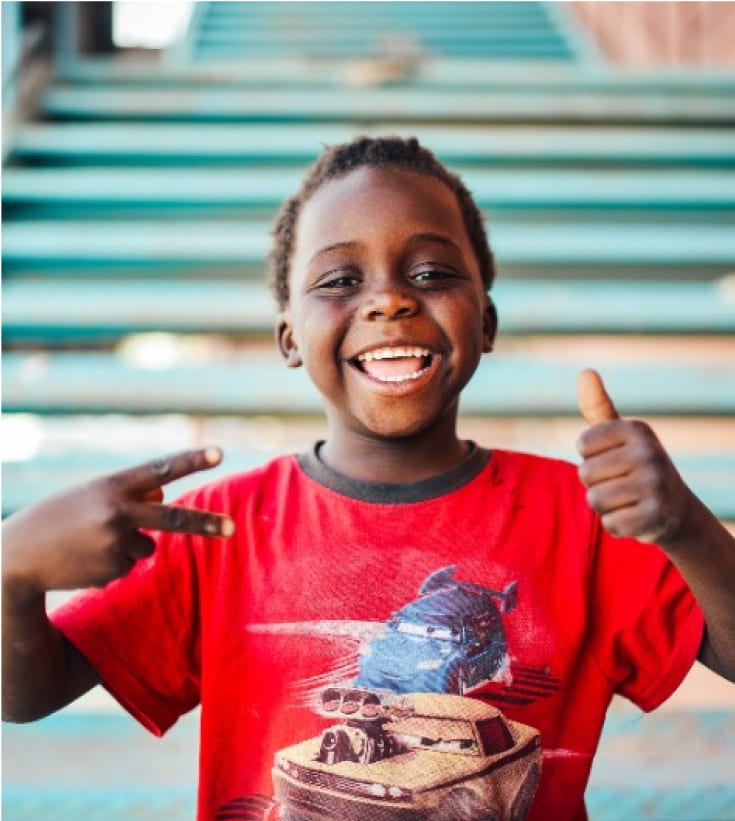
(638, 492)
(42, 671)
(83, 537)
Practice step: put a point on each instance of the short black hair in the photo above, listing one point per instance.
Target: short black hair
(379, 152)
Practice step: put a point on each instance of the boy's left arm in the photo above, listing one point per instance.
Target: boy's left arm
(634, 487)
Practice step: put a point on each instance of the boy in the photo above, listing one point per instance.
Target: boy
(351, 618)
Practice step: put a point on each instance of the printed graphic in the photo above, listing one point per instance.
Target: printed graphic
(412, 736)
(449, 640)
(412, 757)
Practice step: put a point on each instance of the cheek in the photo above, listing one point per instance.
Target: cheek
(318, 339)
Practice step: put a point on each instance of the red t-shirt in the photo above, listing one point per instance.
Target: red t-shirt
(494, 580)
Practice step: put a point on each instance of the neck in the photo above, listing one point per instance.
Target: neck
(393, 460)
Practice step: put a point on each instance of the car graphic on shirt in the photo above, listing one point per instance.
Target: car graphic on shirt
(450, 639)
(412, 757)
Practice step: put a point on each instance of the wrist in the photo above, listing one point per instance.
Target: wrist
(21, 594)
(687, 533)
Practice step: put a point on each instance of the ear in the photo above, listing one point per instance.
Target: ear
(489, 325)
(286, 342)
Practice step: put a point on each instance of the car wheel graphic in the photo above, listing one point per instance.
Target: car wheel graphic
(524, 797)
(463, 805)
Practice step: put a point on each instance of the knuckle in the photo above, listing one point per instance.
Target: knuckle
(653, 481)
(638, 428)
(161, 468)
(175, 518)
(611, 523)
(594, 499)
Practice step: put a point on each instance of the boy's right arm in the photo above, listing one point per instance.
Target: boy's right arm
(83, 537)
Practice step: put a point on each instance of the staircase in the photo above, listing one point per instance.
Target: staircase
(137, 209)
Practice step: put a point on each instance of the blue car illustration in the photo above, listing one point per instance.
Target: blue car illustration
(450, 639)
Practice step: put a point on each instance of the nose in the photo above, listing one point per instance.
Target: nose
(389, 303)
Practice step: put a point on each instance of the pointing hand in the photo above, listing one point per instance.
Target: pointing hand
(631, 482)
(91, 534)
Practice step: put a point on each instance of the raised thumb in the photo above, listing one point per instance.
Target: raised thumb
(594, 403)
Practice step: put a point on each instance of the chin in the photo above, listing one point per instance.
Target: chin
(397, 427)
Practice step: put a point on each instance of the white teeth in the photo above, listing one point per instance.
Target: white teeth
(393, 353)
(406, 378)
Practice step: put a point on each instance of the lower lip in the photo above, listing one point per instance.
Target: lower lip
(405, 387)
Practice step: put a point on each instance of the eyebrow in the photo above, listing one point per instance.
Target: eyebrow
(430, 236)
(333, 247)
(421, 236)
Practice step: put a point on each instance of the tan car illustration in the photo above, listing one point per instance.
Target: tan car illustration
(412, 757)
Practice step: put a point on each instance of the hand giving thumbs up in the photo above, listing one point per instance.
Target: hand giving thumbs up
(631, 482)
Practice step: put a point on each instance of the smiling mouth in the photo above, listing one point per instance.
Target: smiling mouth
(399, 364)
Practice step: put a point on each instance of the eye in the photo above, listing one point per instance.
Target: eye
(432, 276)
(338, 282)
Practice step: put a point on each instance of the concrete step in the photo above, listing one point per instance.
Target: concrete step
(498, 145)
(493, 190)
(230, 242)
(51, 310)
(292, 71)
(49, 767)
(203, 377)
(225, 104)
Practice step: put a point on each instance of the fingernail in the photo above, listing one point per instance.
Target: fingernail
(212, 455)
(227, 528)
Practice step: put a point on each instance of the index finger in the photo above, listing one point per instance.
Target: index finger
(159, 472)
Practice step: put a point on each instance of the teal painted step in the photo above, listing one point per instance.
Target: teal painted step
(492, 189)
(90, 311)
(659, 767)
(257, 143)
(74, 766)
(256, 382)
(296, 13)
(59, 803)
(237, 243)
(224, 104)
(456, 73)
(523, 46)
(636, 803)
(710, 475)
(319, 28)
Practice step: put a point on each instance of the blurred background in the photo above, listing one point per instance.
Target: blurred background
(146, 147)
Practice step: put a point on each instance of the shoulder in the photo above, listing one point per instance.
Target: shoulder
(541, 482)
(236, 490)
(530, 466)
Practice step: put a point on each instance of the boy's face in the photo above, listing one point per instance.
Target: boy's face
(388, 312)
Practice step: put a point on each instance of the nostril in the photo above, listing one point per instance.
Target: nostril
(393, 308)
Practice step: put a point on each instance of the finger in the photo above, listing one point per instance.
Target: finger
(179, 519)
(602, 437)
(594, 402)
(632, 521)
(152, 475)
(615, 494)
(605, 465)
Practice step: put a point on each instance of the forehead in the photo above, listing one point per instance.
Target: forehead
(371, 203)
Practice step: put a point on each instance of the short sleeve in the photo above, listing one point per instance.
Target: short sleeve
(646, 624)
(142, 634)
